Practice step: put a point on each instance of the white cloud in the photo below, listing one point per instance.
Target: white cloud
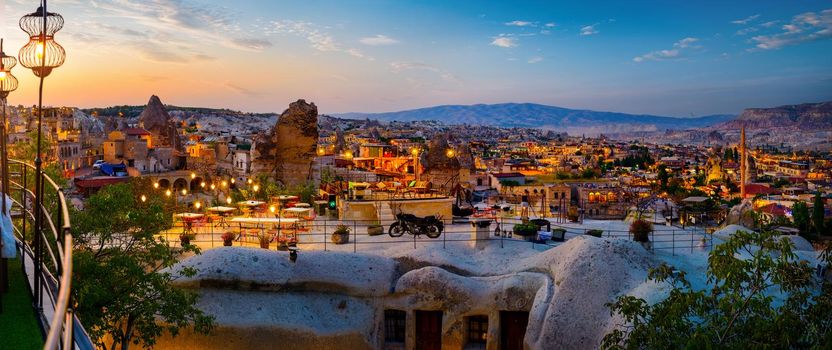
(746, 20)
(378, 40)
(589, 30)
(676, 52)
(318, 38)
(399, 67)
(550, 25)
(518, 23)
(535, 59)
(504, 41)
(685, 43)
(805, 27)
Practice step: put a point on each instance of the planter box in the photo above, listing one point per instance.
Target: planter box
(375, 230)
(340, 238)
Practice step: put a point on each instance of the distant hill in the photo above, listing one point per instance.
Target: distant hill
(806, 116)
(532, 115)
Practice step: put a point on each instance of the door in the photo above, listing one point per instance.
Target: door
(428, 330)
(513, 329)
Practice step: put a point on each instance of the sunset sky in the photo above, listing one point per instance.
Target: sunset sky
(677, 58)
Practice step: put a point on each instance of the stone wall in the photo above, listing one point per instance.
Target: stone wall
(288, 150)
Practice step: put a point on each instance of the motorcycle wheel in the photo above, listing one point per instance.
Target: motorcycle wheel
(396, 230)
(433, 231)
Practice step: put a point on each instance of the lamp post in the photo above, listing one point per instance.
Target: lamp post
(415, 152)
(8, 83)
(348, 156)
(41, 54)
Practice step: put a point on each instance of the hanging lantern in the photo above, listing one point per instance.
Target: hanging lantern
(42, 54)
(8, 82)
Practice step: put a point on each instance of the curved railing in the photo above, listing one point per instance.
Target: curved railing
(50, 254)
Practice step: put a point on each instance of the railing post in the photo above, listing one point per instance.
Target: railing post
(325, 220)
(354, 236)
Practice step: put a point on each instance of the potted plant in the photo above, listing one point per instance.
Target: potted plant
(375, 229)
(572, 214)
(341, 235)
(282, 243)
(641, 230)
(185, 239)
(264, 240)
(228, 238)
(596, 233)
(528, 230)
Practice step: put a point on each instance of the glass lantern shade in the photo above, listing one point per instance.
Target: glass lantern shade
(32, 56)
(41, 54)
(8, 82)
(32, 23)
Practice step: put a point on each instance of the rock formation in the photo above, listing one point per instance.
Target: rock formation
(286, 152)
(157, 121)
(436, 158)
(334, 300)
(807, 116)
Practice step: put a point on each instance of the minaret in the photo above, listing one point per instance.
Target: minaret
(743, 163)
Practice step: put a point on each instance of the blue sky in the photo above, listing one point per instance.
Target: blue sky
(656, 57)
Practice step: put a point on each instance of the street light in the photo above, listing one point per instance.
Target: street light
(193, 175)
(450, 153)
(41, 54)
(415, 152)
(8, 83)
(144, 198)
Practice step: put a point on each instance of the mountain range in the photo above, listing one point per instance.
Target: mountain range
(531, 115)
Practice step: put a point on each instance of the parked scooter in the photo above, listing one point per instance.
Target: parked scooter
(411, 224)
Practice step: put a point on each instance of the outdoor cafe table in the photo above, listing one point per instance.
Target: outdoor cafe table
(251, 203)
(223, 211)
(264, 221)
(188, 219)
(297, 211)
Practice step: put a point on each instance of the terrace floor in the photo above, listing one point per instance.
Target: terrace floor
(17, 320)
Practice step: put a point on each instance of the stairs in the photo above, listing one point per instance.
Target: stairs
(385, 214)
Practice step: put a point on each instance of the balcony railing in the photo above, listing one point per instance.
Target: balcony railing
(46, 256)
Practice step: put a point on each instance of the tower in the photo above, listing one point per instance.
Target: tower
(743, 163)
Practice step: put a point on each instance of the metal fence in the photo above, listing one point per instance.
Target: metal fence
(316, 235)
(47, 243)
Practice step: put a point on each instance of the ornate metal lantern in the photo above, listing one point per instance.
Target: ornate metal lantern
(8, 82)
(42, 54)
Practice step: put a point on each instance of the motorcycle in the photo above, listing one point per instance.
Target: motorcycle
(409, 223)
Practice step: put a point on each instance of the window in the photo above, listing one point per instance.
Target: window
(394, 326)
(477, 332)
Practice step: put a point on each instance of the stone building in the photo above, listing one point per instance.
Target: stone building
(287, 151)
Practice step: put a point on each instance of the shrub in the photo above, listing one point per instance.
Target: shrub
(596, 233)
(525, 229)
(641, 230)
(342, 229)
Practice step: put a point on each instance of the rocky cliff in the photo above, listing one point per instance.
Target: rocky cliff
(807, 116)
(287, 150)
(155, 118)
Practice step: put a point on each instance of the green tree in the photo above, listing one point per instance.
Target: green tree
(663, 176)
(800, 216)
(737, 310)
(729, 154)
(124, 292)
(817, 215)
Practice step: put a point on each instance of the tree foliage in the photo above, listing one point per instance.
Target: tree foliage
(759, 296)
(121, 284)
(800, 216)
(817, 214)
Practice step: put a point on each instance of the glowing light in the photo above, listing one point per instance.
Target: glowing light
(2, 75)
(228, 200)
(39, 50)
(414, 151)
(168, 193)
(193, 175)
(232, 180)
(202, 184)
(348, 154)
(197, 205)
(450, 153)
(272, 209)
(144, 198)
(213, 187)
(155, 185)
(256, 188)
(224, 183)
(184, 192)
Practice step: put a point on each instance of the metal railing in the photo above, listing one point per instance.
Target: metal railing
(315, 235)
(49, 252)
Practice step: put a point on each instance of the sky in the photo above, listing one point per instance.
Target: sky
(674, 58)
